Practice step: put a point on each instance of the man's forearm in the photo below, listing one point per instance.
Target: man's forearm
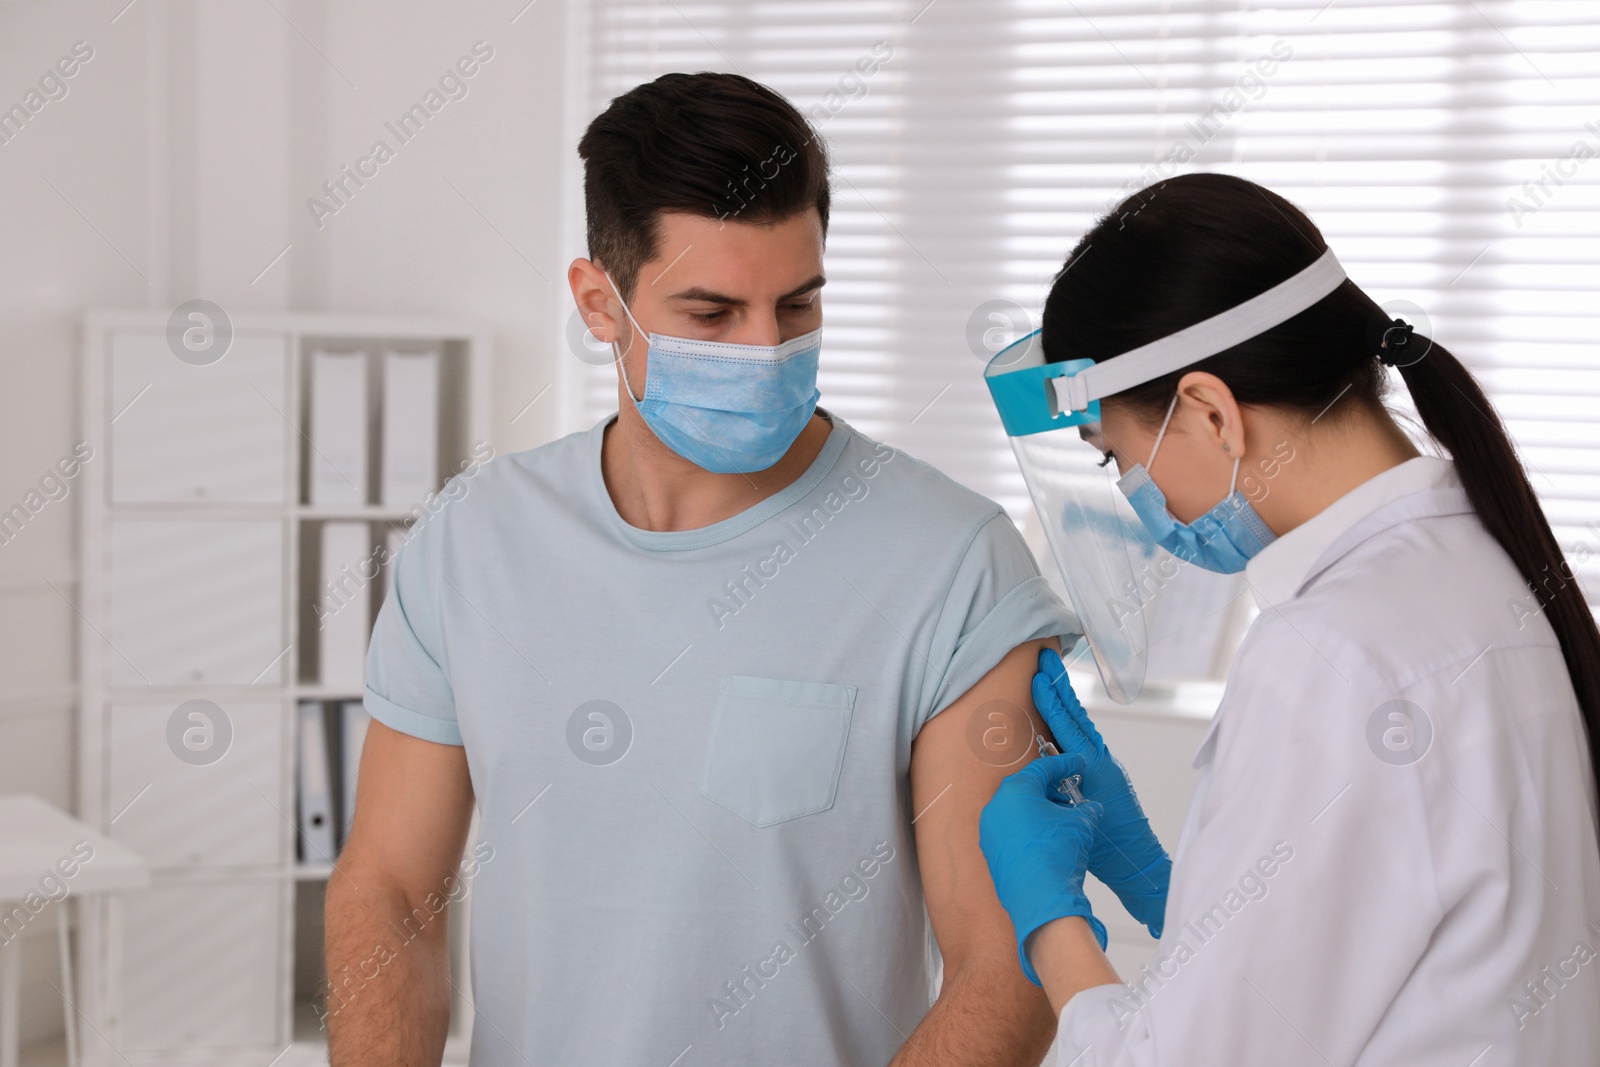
(388, 974)
(987, 1015)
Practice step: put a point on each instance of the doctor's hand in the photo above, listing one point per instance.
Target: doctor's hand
(1037, 846)
(1125, 854)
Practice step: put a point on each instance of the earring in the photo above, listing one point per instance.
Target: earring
(1226, 447)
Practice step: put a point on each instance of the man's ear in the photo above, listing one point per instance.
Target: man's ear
(1219, 418)
(596, 302)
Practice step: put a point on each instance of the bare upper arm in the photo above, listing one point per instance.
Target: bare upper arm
(957, 762)
(413, 809)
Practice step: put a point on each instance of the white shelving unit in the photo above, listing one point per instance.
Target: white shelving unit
(193, 517)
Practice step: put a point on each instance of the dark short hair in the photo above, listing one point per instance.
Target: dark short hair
(716, 145)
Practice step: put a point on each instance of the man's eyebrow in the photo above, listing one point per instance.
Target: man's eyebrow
(812, 284)
(706, 296)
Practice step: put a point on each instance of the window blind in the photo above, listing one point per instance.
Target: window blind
(1445, 149)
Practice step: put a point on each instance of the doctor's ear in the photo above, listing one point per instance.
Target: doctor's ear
(1215, 414)
(597, 304)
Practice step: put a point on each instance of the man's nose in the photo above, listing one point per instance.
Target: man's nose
(758, 329)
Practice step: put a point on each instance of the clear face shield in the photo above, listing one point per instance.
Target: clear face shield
(1099, 545)
(1138, 603)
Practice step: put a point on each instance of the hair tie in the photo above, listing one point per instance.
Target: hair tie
(1391, 345)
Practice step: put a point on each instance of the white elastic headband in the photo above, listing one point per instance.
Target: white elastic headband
(1193, 343)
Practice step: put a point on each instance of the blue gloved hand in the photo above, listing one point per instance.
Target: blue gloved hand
(1037, 846)
(1125, 855)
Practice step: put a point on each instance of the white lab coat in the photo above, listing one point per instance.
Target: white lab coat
(1337, 900)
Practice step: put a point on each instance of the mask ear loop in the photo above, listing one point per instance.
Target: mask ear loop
(1170, 409)
(636, 326)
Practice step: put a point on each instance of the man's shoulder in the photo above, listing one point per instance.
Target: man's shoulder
(490, 487)
(920, 491)
(559, 460)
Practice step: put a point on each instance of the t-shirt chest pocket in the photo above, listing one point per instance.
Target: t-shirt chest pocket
(776, 747)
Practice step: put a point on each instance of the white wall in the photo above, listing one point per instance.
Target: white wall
(178, 165)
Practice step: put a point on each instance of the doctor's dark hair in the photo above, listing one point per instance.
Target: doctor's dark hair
(1190, 247)
(715, 145)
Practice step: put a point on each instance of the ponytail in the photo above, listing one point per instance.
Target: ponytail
(1458, 415)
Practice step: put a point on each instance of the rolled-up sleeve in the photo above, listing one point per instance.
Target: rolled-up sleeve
(996, 601)
(408, 682)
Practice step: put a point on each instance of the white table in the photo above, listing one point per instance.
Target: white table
(34, 839)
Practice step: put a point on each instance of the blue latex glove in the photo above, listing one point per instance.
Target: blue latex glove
(1125, 855)
(1037, 846)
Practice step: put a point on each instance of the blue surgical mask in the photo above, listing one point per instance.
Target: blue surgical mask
(727, 408)
(1222, 540)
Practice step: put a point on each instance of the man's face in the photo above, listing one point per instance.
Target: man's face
(738, 282)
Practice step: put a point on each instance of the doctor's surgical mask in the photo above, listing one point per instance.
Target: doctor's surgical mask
(1223, 540)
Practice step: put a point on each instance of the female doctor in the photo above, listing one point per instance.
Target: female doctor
(1391, 856)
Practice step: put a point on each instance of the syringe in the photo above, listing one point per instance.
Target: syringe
(1068, 786)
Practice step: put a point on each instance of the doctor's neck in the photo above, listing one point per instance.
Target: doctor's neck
(1325, 460)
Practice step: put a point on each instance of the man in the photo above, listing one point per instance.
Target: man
(728, 682)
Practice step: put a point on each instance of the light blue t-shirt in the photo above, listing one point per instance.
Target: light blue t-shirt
(690, 749)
